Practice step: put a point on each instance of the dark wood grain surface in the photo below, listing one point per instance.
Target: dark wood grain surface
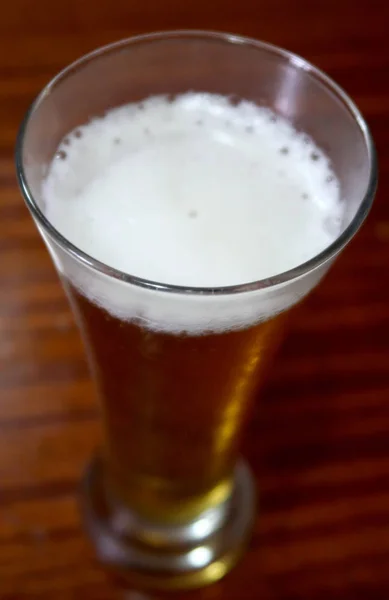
(319, 441)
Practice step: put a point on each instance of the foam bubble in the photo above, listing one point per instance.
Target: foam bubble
(194, 191)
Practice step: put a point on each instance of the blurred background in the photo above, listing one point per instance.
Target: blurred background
(319, 439)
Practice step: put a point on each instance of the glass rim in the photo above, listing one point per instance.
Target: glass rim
(287, 276)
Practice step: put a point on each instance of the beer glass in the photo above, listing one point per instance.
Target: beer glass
(167, 499)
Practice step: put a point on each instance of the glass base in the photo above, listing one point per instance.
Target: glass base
(169, 557)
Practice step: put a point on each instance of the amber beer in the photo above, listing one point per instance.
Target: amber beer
(174, 407)
(184, 223)
(188, 193)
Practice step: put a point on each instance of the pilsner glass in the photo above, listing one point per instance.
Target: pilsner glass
(167, 499)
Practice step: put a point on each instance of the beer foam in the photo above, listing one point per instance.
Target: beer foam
(191, 191)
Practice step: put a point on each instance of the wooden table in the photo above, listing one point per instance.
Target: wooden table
(319, 442)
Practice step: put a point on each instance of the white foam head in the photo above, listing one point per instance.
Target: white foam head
(192, 192)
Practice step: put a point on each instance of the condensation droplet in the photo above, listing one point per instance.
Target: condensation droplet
(284, 150)
(66, 142)
(249, 129)
(315, 156)
(117, 140)
(192, 214)
(61, 154)
(78, 133)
